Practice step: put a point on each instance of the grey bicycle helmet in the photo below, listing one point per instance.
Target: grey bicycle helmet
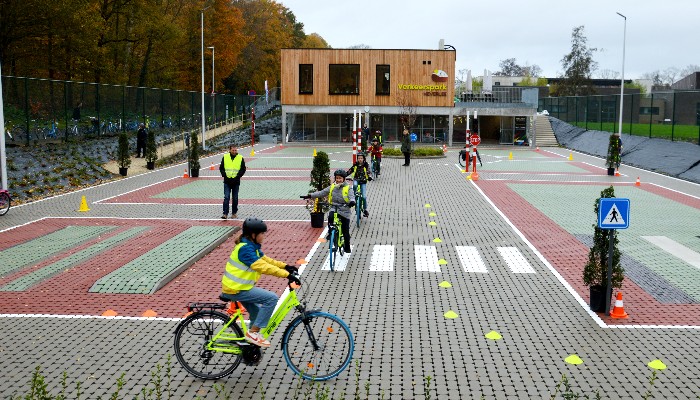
(253, 225)
(340, 172)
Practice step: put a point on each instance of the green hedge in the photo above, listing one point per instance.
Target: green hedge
(417, 151)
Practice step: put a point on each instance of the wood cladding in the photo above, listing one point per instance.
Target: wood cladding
(411, 77)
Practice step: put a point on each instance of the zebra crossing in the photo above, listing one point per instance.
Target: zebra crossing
(426, 259)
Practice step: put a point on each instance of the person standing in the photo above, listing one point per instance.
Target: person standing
(406, 148)
(232, 169)
(141, 141)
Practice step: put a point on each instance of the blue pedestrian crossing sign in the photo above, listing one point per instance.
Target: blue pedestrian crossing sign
(614, 213)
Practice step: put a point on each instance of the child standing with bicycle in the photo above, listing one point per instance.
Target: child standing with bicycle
(376, 151)
(243, 269)
(360, 173)
(341, 199)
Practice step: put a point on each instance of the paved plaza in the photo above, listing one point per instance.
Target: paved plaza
(441, 263)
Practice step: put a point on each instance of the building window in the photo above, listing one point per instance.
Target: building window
(306, 78)
(649, 110)
(344, 79)
(383, 80)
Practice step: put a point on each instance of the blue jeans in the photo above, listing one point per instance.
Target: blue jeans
(260, 304)
(231, 193)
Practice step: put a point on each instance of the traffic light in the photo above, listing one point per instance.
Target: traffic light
(347, 123)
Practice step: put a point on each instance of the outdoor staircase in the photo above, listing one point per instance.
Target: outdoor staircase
(544, 135)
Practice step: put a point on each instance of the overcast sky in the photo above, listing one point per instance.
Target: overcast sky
(660, 34)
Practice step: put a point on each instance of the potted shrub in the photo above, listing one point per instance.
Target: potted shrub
(614, 153)
(596, 269)
(151, 152)
(193, 158)
(123, 156)
(320, 179)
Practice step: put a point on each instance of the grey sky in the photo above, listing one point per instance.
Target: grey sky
(660, 34)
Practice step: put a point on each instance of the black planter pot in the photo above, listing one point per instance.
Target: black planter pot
(597, 298)
(194, 173)
(317, 220)
(151, 164)
(122, 171)
(611, 171)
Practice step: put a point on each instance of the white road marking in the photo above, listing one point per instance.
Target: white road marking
(341, 262)
(382, 258)
(515, 260)
(470, 259)
(426, 259)
(675, 249)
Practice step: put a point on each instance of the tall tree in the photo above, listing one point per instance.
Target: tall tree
(578, 66)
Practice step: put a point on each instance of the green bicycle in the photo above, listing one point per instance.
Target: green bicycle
(335, 237)
(210, 341)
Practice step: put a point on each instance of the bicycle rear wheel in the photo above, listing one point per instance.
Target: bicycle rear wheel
(462, 158)
(191, 339)
(4, 203)
(317, 346)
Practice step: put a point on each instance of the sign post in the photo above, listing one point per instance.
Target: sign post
(613, 213)
(354, 136)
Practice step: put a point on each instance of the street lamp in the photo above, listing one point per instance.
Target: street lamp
(213, 85)
(622, 80)
(201, 13)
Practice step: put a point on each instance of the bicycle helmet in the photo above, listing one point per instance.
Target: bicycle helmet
(375, 140)
(362, 154)
(253, 225)
(340, 172)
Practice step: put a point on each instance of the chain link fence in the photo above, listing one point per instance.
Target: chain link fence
(668, 115)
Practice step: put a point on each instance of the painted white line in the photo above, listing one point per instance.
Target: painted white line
(675, 249)
(426, 259)
(341, 262)
(470, 259)
(515, 260)
(382, 258)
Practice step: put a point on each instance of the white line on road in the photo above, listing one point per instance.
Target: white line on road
(675, 249)
(515, 260)
(426, 259)
(382, 258)
(470, 259)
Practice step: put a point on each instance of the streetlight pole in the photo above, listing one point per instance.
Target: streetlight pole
(213, 85)
(201, 13)
(622, 80)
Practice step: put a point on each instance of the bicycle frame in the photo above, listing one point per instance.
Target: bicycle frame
(225, 342)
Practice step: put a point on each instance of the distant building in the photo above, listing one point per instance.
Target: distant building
(690, 82)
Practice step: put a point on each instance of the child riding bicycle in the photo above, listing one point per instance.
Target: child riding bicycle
(360, 173)
(340, 199)
(376, 151)
(243, 269)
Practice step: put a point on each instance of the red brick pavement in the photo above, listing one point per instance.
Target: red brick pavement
(67, 293)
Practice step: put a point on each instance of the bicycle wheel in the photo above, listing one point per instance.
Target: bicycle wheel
(462, 158)
(191, 338)
(318, 346)
(4, 203)
(331, 249)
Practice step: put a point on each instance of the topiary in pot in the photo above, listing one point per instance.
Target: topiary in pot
(596, 269)
(320, 179)
(193, 158)
(151, 152)
(614, 153)
(123, 155)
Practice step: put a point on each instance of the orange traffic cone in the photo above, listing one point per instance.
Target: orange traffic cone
(211, 167)
(475, 176)
(186, 175)
(444, 148)
(638, 183)
(619, 309)
(617, 172)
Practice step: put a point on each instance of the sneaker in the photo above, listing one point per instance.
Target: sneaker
(233, 216)
(366, 213)
(256, 339)
(223, 216)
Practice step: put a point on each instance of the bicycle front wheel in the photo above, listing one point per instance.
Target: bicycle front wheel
(317, 347)
(4, 203)
(191, 339)
(462, 158)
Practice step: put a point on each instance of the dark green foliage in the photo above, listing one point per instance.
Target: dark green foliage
(596, 269)
(578, 66)
(193, 158)
(614, 151)
(151, 149)
(123, 156)
(321, 172)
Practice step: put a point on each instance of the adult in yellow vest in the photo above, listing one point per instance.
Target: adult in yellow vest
(232, 169)
(243, 269)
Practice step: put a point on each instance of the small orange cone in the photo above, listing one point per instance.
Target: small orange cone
(538, 148)
(475, 176)
(638, 183)
(211, 167)
(186, 175)
(619, 309)
(617, 172)
(444, 148)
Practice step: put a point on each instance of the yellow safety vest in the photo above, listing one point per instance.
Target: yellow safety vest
(238, 276)
(346, 191)
(232, 166)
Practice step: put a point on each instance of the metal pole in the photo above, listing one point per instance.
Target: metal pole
(354, 136)
(201, 13)
(3, 159)
(608, 291)
(622, 80)
(213, 85)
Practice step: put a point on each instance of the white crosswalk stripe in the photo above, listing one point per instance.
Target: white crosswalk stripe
(515, 260)
(382, 258)
(340, 262)
(426, 259)
(470, 259)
